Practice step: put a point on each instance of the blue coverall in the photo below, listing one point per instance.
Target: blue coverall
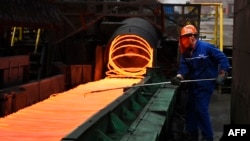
(201, 64)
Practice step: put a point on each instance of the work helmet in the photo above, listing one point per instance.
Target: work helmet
(185, 42)
(188, 29)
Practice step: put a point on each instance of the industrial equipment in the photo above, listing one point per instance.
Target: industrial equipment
(75, 42)
(141, 113)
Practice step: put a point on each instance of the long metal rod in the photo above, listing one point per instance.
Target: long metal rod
(151, 84)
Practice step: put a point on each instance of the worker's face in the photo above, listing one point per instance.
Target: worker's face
(187, 42)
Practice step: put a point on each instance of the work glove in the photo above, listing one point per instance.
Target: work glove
(176, 80)
(221, 78)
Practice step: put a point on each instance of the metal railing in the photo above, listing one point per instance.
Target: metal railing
(217, 18)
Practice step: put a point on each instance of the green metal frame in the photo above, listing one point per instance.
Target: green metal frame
(140, 114)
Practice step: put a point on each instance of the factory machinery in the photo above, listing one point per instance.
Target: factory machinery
(75, 42)
(140, 113)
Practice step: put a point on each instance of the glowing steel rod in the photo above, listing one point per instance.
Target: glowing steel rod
(152, 84)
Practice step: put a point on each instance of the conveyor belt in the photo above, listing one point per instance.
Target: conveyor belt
(55, 117)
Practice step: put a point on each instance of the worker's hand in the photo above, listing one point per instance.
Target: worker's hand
(221, 78)
(176, 80)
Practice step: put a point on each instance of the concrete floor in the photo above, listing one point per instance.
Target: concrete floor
(219, 112)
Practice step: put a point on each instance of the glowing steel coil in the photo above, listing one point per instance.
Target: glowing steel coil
(131, 48)
(129, 56)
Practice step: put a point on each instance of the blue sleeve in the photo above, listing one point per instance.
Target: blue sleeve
(183, 68)
(220, 57)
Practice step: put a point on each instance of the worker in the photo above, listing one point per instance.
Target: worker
(199, 60)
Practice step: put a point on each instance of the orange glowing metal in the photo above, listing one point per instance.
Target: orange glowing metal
(124, 48)
(57, 116)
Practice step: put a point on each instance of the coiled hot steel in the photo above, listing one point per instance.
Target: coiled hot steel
(131, 49)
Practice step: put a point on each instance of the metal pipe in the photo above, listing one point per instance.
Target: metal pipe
(37, 40)
(13, 37)
(151, 84)
(221, 27)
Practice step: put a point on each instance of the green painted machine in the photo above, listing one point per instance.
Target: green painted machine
(140, 114)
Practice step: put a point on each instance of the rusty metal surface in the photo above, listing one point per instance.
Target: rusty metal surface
(38, 13)
(13, 70)
(14, 61)
(21, 96)
(240, 4)
(240, 87)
